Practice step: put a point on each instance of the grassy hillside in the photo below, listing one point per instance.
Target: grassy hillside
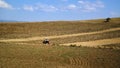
(20, 30)
(35, 54)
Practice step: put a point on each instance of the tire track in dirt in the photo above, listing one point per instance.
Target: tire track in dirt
(78, 61)
(60, 36)
(74, 61)
(95, 43)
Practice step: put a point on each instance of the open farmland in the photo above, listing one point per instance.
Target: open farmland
(21, 44)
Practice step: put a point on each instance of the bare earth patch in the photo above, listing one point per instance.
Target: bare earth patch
(95, 43)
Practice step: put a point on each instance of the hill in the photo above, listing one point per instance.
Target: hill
(23, 30)
(73, 44)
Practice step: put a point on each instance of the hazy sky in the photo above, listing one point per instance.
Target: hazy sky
(49, 10)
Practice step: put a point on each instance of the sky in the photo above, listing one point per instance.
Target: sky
(56, 10)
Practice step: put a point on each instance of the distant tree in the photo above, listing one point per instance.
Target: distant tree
(107, 20)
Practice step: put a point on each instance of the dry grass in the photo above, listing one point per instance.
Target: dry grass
(57, 41)
(21, 30)
(36, 55)
(29, 56)
(111, 46)
(113, 20)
